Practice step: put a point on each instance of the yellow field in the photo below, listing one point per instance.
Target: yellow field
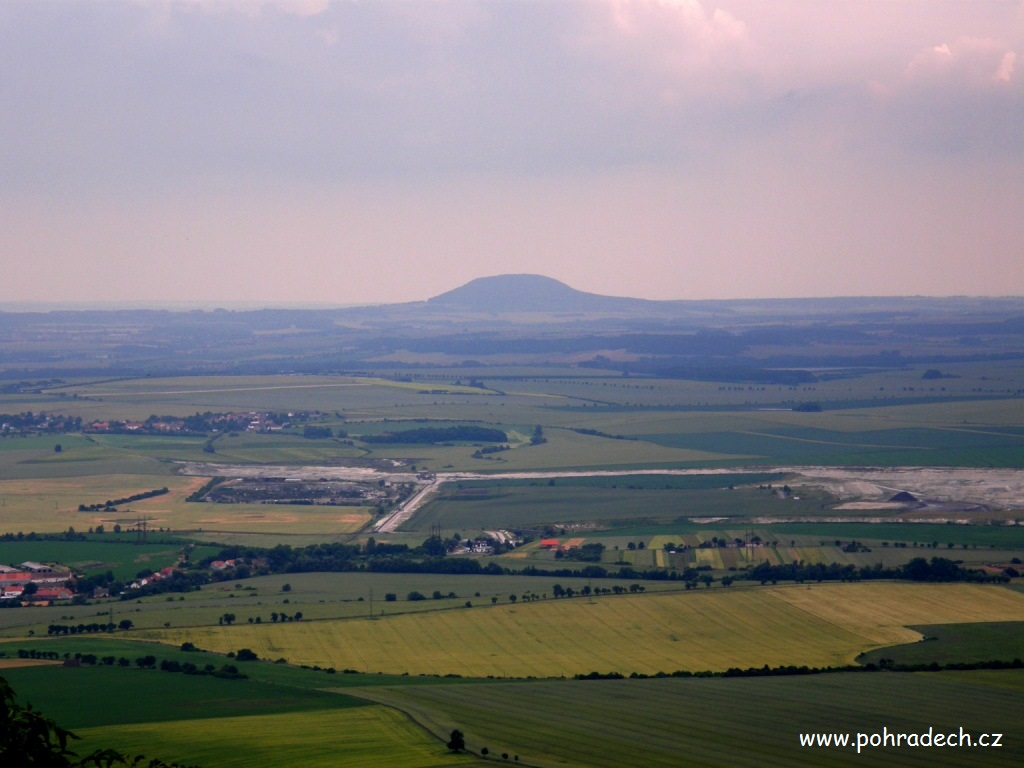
(888, 608)
(708, 629)
(364, 737)
(18, 663)
(51, 504)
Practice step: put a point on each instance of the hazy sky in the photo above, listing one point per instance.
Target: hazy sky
(333, 151)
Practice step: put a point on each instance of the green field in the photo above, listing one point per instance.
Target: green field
(952, 643)
(119, 554)
(888, 448)
(739, 722)
(284, 714)
(216, 722)
(563, 502)
(368, 737)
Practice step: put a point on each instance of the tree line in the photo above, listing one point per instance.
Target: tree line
(790, 670)
(124, 500)
(938, 569)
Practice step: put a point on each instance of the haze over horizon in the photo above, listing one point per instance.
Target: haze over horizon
(313, 152)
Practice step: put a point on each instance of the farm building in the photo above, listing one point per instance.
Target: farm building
(550, 543)
(11, 576)
(36, 568)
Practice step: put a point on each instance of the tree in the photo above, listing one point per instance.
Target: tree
(30, 738)
(58, 448)
(125, 624)
(456, 742)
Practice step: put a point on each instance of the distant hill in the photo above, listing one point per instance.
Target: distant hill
(532, 293)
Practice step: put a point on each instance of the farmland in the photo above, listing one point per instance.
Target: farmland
(710, 721)
(622, 453)
(825, 625)
(739, 722)
(214, 721)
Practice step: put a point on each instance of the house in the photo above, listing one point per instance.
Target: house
(51, 594)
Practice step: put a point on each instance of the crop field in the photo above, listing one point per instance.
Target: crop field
(119, 554)
(563, 450)
(745, 722)
(82, 458)
(217, 722)
(889, 448)
(822, 625)
(367, 737)
(315, 595)
(51, 505)
(948, 643)
(560, 503)
(712, 722)
(134, 696)
(989, 536)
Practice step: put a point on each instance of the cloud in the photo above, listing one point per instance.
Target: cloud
(679, 39)
(967, 62)
(255, 8)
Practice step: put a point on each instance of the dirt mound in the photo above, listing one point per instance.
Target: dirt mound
(904, 498)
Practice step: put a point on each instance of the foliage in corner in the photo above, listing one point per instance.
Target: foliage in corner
(28, 737)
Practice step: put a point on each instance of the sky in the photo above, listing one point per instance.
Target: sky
(321, 152)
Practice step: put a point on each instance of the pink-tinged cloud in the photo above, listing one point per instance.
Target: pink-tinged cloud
(255, 8)
(683, 41)
(967, 62)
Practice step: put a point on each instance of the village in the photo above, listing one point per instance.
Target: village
(41, 422)
(35, 583)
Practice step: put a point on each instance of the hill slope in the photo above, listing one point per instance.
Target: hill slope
(531, 293)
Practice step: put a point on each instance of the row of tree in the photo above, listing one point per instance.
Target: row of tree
(938, 569)
(87, 629)
(124, 500)
(790, 670)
